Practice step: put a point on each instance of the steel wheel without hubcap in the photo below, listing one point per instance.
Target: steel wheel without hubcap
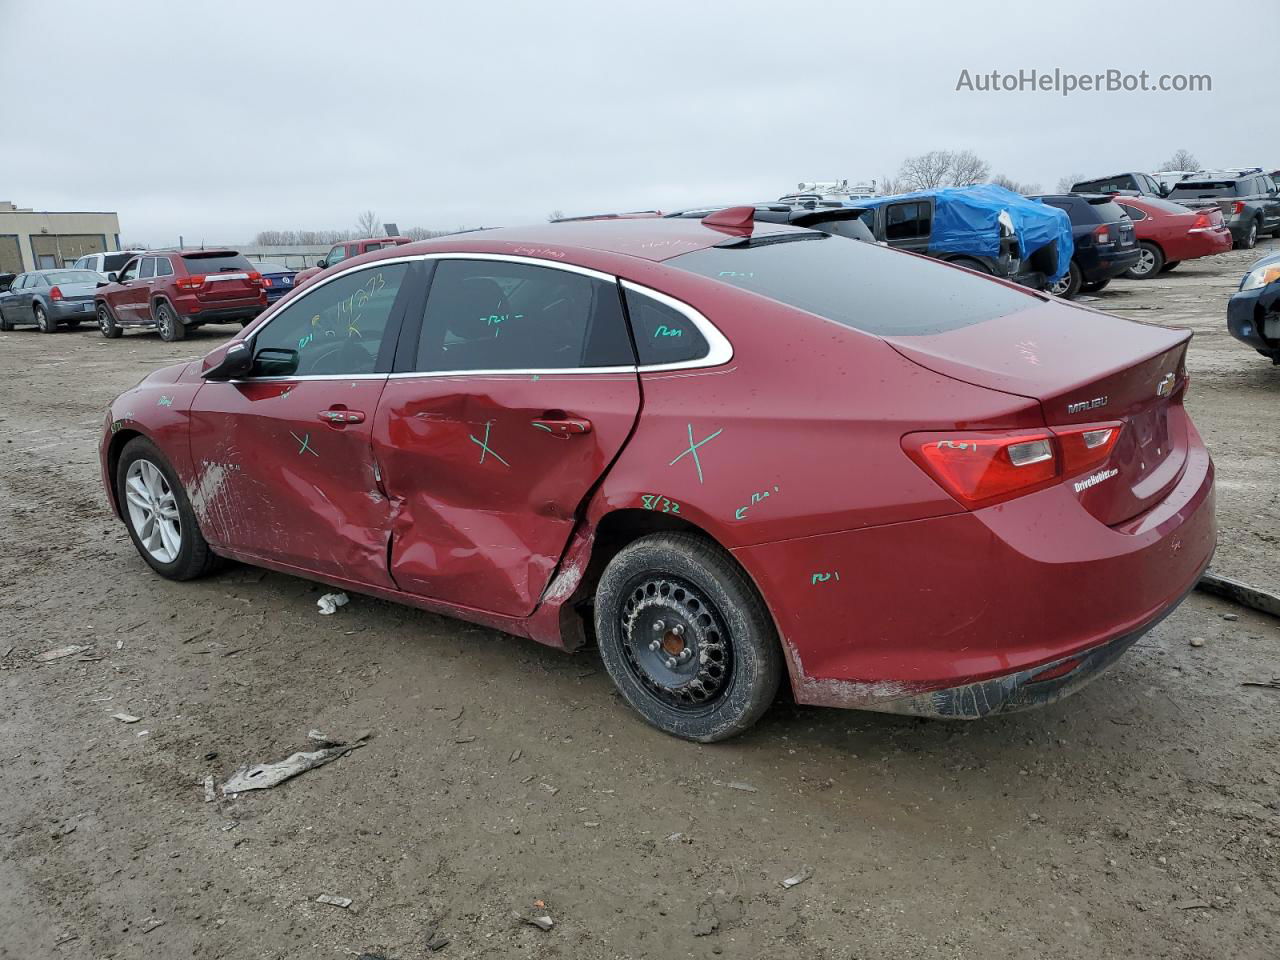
(153, 511)
(676, 643)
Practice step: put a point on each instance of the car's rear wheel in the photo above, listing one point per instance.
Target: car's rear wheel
(1150, 262)
(107, 322)
(45, 322)
(158, 514)
(1250, 238)
(686, 637)
(1095, 286)
(168, 323)
(1069, 285)
(5, 324)
(1169, 265)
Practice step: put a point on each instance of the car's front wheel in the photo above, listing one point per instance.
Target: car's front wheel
(45, 322)
(169, 323)
(1150, 262)
(158, 513)
(107, 323)
(686, 638)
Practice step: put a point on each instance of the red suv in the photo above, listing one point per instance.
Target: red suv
(175, 290)
(348, 249)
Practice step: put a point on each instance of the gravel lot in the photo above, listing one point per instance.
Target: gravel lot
(1137, 819)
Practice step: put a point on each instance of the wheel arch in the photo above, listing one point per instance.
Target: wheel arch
(119, 440)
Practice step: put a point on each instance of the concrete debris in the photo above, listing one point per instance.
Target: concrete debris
(263, 776)
(805, 873)
(330, 603)
(125, 717)
(436, 941)
(745, 787)
(333, 901)
(59, 653)
(1197, 641)
(1240, 593)
(1193, 905)
(541, 922)
(152, 924)
(209, 794)
(515, 755)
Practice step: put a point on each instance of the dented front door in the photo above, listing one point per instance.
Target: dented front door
(285, 472)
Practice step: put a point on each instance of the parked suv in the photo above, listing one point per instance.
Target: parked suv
(348, 249)
(1105, 242)
(1134, 184)
(1249, 202)
(105, 263)
(173, 291)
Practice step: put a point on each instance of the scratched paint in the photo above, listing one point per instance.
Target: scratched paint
(693, 449)
(757, 497)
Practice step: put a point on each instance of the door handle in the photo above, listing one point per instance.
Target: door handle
(563, 427)
(337, 416)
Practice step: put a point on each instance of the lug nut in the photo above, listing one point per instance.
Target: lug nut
(655, 644)
(678, 629)
(685, 654)
(671, 663)
(659, 626)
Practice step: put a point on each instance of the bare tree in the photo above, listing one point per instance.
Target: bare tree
(555, 215)
(1070, 180)
(1181, 160)
(1026, 189)
(967, 169)
(368, 224)
(926, 171)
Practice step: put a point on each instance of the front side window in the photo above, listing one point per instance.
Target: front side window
(337, 328)
(496, 315)
(907, 221)
(663, 334)
(130, 271)
(148, 268)
(336, 255)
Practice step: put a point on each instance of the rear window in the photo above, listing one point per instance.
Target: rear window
(216, 262)
(859, 285)
(1204, 189)
(1164, 206)
(114, 261)
(1109, 185)
(1109, 212)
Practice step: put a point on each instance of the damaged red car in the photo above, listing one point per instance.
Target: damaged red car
(731, 454)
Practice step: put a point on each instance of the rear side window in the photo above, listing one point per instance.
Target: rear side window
(663, 334)
(216, 263)
(163, 267)
(114, 261)
(496, 315)
(859, 285)
(1133, 212)
(907, 221)
(337, 328)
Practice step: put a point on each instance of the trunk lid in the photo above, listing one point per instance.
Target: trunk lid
(77, 291)
(1084, 368)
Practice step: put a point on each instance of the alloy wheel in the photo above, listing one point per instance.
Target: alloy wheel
(153, 511)
(1146, 263)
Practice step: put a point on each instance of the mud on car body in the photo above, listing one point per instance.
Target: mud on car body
(732, 452)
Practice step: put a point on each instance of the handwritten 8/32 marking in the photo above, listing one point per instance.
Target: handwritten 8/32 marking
(655, 501)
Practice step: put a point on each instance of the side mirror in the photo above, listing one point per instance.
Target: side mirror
(112, 277)
(236, 361)
(275, 362)
(322, 264)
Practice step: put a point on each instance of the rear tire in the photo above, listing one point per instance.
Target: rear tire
(1095, 286)
(717, 664)
(1069, 286)
(1250, 239)
(192, 557)
(1169, 265)
(5, 325)
(45, 322)
(107, 325)
(169, 324)
(1150, 262)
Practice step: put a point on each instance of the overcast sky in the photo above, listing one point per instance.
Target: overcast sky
(216, 120)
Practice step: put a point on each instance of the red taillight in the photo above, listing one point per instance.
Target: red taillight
(1202, 221)
(980, 469)
(266, 281)
(1103, 234)
(193, 282)
(256, 279)
(55, 294)
(1238, 207)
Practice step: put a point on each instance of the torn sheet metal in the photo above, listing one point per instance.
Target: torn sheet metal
(263, 776)
(1240, 593)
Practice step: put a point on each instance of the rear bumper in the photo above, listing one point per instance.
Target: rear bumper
(1106, 266)
(933, 616)
(63, 310)
(1252, 314)
(1200, 242)
(223, 314)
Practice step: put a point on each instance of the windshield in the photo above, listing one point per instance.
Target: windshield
(72, 276)
(860, 285)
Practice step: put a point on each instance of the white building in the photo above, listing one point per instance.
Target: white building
(43, 239)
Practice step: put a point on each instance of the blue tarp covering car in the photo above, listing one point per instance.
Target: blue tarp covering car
(966, 220)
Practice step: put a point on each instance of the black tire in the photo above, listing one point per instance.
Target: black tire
(169, 324)
(73, 324)
(1150, 263)
(972, 264)
(44, 321)
(727, 670)
(194, 558)
(1069, 286)
(1095, 286)
(1250, 239)
(5, 324)
(107, 325)
(1169, 265)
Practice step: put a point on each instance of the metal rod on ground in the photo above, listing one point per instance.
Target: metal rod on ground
(1240, 593)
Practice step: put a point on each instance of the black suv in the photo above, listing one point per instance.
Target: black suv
(1136, 184)
(1105, 242)
(1249, 201)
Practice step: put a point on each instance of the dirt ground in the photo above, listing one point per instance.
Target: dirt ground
(1140, 818)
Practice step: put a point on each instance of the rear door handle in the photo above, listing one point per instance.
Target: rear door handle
(563, 427)
(337, 416)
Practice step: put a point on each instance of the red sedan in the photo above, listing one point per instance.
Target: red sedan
(1169, 233)
(728, 452)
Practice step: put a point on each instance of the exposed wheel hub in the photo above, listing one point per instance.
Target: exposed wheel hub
(675, 642)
